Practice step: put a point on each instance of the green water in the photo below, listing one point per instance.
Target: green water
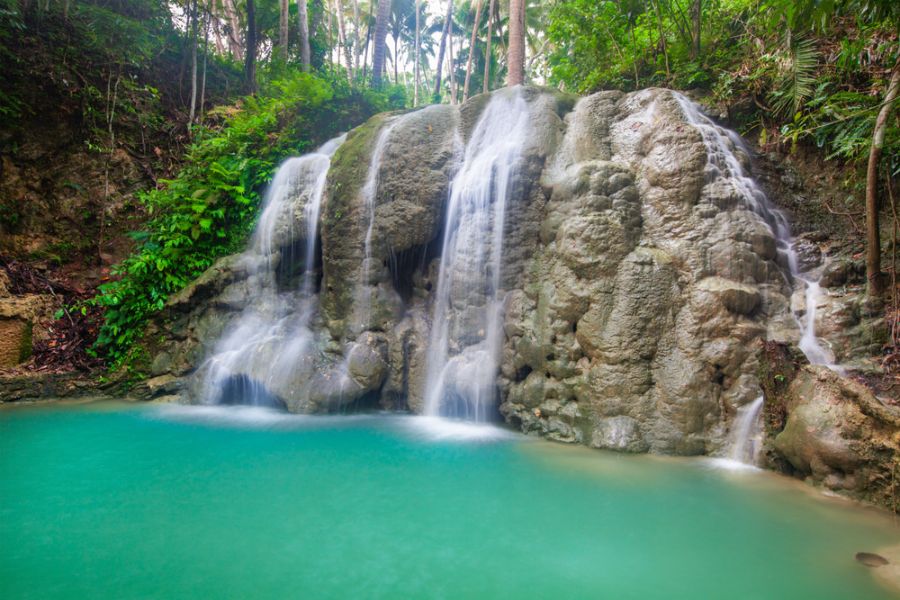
(176, 502)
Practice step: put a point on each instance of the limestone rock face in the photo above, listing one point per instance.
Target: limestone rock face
(636, 278)
(412, 173)
(838, 435)
(652, 280)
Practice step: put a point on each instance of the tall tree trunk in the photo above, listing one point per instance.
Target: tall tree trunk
(194, 35)
(303, 15)
(250, 61)
(662, 38)
(220, 36)
(441, 49)
(418, 51)
(357, 23)
(234, 33)
(283, 29)
(451, 67)
(381, 27)
(205, 57)
(515, 74)
(634, 62)
(330, 30)
(875, 286)
(695, 28)
(342, 40)
(487, 53)
(396, 58)
(368, 43)
(472, 41)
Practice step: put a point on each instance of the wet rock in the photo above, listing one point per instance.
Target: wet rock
(838, 434)
(367, 361)
(870, 559)
(736, 297)
(618, 433)
(809, 255)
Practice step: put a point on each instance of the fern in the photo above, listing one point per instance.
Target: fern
(797, 81)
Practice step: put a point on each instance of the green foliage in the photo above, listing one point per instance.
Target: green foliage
(209, 208)
(798, 77)
(809, 71)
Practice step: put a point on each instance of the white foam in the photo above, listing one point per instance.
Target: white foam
(439, 429)
(250, 417)
(730, 464)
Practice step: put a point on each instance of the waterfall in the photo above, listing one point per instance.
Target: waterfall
(272, 333)
(723, 161)
(744, 440)
(466, 333)
(362, 306)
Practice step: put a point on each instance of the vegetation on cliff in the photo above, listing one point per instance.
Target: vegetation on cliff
(132, 86)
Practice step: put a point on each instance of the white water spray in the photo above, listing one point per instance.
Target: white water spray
(723, 161)
(271, 334)
(466, 334)
(362, 306)
(745, 438)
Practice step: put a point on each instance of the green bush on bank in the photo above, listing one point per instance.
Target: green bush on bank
(209, 208)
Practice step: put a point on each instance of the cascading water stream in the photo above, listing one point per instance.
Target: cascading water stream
(273, 331)
(744, 440)
(363, 301)
(723, 162)
(464, 347)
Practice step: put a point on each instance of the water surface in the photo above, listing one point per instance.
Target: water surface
(112, 501)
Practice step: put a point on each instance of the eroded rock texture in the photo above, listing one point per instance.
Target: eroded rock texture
(636, 277)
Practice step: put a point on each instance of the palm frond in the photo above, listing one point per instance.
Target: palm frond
(797, 82)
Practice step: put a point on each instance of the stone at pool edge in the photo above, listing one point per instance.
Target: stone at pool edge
(870, 559)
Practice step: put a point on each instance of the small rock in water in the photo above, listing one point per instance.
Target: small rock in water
(870, 559)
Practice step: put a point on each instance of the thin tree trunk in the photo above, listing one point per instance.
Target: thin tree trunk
(418, 51)
(110, 119)
(368, 43)
(283, 29)
(219, 37)
(342, 40)
(356, 25)
(441, 49)
(234, 35)
(695, 29)
(450, 66)
(250, 62)
(396, 58)
(381, 27)
(472, 41)
(634, 62)
(875, 286)
(192, 112)
(662, 38)
(515, 74)
(303, 16)
(205, 57)
(487, 53)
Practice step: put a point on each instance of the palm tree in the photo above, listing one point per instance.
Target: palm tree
(475, 26)
(402, 11)
(487, 53)
(381, 25)
(304, 34)
(417, 52)
(443, 46)
(283, 28)
(516, 53)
